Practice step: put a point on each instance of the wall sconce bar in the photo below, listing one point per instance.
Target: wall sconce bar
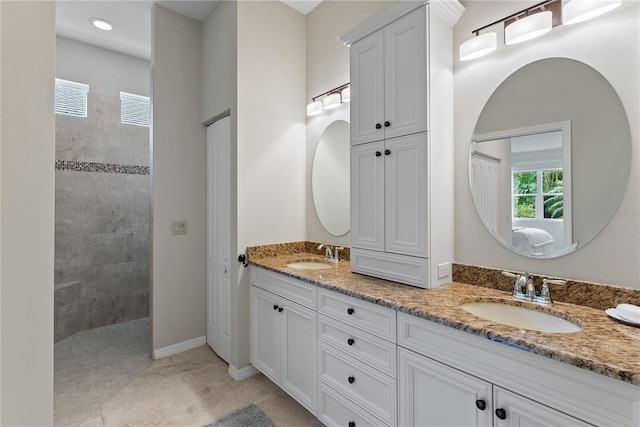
(533, 22)
(331, 99)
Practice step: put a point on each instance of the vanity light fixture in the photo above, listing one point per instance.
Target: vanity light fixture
(346, 94)
(527, 28)
(518, 27)
(101, 24)
(330, 99)
(478, 46)
(314, 108)
(576, 11)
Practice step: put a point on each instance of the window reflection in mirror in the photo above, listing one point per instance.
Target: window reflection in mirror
(518, 184)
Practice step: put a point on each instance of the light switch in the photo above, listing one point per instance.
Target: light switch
(178, 228)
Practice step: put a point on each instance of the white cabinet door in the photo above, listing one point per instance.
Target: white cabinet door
(367, 89)
(513, 410)
(405, 195)
(433, 394)
(367, 196)
(298, 358)
(264, 333)
(405, 88)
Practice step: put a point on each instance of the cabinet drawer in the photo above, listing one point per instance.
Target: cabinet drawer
(372, 318)
(295, 290)
(336, 410)
(378, 353)
(372, 390)
(398, 268)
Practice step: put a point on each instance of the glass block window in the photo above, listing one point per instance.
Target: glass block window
(71, 98)
(134, 109)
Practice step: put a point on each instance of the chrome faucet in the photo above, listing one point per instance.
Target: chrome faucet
(520, 284)
(329, 254)
(327, 251)
(524, 288)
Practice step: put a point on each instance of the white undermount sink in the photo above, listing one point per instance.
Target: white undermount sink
(521, 317)
(309, 265)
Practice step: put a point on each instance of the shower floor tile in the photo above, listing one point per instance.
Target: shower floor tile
(92, 366)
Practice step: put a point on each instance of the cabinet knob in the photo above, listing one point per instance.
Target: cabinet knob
(280, 309)
(387, 152)
(378, 154)
(353, 380)
(275, 307)
(350, 311)
(387, 124)
(481, 404)
(350, 341)
(352, 424)
(501, 413)
(378, 126)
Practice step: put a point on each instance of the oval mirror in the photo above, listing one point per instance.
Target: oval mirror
(330, 178)
(550, 158)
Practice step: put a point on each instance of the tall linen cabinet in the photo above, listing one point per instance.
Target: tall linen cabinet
(402, 142)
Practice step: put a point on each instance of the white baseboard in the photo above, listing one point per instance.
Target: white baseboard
(242, 373)
(179, 347)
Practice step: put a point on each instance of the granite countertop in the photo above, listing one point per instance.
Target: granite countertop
(604, 345)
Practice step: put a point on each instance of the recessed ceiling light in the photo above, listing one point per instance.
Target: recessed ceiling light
(101, 24)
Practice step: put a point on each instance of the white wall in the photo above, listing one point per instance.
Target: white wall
(271, 135)
(106, 72)
(27, 34)
(179, 181)
(328, 67)
(610, 44)
(219, 94)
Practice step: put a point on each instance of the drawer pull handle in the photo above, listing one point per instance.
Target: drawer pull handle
(275, 307)
(350, 311)
(353, 380)
(280, 309)
(501, 413)
(481, 404)
(352, 424)
(350, 341)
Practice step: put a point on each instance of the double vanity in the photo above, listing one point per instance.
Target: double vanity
(357, 350)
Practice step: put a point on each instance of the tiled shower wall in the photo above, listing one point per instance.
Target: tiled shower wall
(102, 219)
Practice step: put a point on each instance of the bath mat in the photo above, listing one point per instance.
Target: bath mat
(249, 416)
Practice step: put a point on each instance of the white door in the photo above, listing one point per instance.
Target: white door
(405, 93)
(367, 196)
(298, 355)
(367, 89)
(405, 194)
(513, 410)
(433, 394)
(219, 237)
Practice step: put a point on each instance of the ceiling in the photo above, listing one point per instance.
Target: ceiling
(132, 20)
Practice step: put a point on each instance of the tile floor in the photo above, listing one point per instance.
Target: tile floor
(124, 387)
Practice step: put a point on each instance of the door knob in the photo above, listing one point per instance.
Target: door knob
(481, 404)
(378, 154)
(387, 152)
(387, 124)
(378, 126)
(501, 413)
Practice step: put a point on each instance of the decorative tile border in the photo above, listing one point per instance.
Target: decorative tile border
(66, 165)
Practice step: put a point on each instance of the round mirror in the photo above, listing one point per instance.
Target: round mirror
(550, 158)
(330, 178)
